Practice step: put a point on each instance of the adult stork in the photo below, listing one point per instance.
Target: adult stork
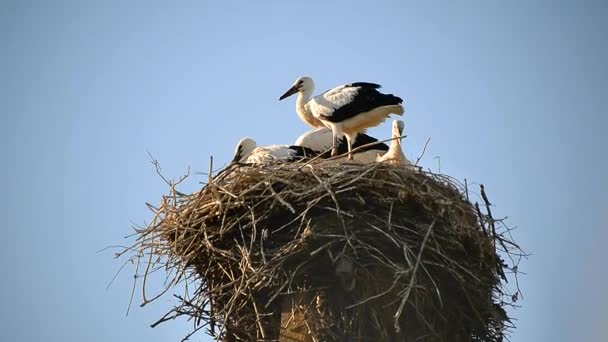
(366, 148)
(395, 153)
(247, 151)
(347, 110)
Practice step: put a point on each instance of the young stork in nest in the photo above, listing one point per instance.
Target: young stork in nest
(347, 110)
(395, 153)
(247, 151)
(320, 140)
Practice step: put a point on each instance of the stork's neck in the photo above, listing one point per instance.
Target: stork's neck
(305, 95)
(396, 145)
(303, 112)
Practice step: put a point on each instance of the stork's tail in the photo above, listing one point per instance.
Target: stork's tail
(399, 110)
(396, 104)
(395, 109)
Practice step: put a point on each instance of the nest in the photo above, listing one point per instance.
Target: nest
(330, 251)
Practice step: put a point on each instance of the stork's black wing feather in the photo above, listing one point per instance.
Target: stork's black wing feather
(302, 152)
(364, 84)
(367, 98)
(362, 140)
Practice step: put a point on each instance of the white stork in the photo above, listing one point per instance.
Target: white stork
(247, 151)
(348, 109)
(395, 153)
(321, 140)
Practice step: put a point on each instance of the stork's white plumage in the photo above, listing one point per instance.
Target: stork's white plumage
(247, 151)
(347, 110)
(395, 153)
(321, 140)
(318, 139)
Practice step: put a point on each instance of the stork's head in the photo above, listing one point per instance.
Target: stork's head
(301, 85)
(397, 128)
(243, 149)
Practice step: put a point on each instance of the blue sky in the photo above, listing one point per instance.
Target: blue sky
(512, 95)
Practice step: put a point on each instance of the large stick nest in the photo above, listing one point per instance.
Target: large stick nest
(352, 252)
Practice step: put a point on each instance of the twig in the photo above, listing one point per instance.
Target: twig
(408, 290)
(423, 151)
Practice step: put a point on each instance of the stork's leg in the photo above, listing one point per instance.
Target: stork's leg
(334, 149)
(350, 147)
(335, 132)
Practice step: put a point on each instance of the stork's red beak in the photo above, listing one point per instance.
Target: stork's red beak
(289, 92)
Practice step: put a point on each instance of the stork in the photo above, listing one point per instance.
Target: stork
(321, 139)
(395, 153)
(347, 110)
(247, 151)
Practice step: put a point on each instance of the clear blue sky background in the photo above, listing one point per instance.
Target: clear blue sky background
(512, 93)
